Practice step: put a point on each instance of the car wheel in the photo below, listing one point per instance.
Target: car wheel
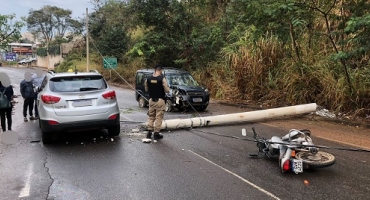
(47, 137)
(114, 131)
(169, 107)
(142, 102)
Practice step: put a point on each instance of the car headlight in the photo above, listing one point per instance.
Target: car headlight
(174, 92)
(206, 91)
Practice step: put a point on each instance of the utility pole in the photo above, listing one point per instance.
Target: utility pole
(47, 55)
(87, 40)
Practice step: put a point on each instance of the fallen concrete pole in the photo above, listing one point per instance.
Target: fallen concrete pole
(252, 116)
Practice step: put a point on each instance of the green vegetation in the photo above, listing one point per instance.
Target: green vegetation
(77, 61)
(10, 63)
(278, 52)
(53, 51)
(42, 52)
(9, 30)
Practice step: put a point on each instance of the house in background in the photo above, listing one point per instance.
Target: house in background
(22, 49)
(16, 51)
(28, 46)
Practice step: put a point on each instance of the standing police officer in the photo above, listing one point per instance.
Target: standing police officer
(157, 87)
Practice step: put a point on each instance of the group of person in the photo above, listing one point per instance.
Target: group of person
(29, 91)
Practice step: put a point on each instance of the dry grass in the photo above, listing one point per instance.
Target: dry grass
(265, 75)
(217, 79)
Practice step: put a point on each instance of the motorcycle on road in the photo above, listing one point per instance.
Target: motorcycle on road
(295, 150)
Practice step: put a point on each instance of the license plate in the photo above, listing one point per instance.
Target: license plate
(297, 166)
(197, 99)
(81, 103)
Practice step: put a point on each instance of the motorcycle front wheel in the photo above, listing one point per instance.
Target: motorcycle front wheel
(319, 160)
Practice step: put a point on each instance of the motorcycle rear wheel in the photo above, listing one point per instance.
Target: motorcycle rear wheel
(319, 160)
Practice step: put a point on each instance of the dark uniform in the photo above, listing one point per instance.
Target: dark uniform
(157, 87)
(28, 94)
(7, 112)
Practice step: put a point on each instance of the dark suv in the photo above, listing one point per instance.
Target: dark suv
(185, 91)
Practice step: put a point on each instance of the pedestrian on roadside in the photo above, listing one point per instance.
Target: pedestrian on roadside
(6, 112)
(37, 81)
(28, 94)
(157, 87)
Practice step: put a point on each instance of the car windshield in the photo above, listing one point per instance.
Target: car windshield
(182, 79)
(77, 83)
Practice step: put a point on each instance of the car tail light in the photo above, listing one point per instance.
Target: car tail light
(286, 165)
(53, 122)
(109, 95)
(112, 117)
(49, 99)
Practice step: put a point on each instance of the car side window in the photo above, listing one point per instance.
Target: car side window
(144, 79)
(139, 77)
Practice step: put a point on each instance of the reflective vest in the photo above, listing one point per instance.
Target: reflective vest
(155, 87)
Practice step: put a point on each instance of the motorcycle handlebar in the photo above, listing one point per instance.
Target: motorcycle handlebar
(254, 132)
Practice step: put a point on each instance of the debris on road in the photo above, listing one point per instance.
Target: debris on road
(146, 140)
(325, 113)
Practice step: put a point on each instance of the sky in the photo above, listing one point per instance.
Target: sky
(22, 7)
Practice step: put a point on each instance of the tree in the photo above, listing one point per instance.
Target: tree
(52, 22)
(174, 35)
(9, 32)
(108, 29)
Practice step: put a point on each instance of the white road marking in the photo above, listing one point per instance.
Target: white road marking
(25, 192)
(239, 177)
(125, 117)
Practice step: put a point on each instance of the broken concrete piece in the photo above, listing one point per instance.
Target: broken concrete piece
(146, 140)
(135, 130)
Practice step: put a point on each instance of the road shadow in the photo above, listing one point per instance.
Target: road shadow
(81, 137)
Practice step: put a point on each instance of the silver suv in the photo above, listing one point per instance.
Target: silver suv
(76, 101)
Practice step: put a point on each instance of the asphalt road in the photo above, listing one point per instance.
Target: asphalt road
(184, 165)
